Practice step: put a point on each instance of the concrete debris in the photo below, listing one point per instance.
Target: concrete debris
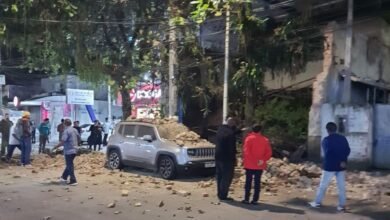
(201, 211)
(138, 204)
(124, 193)
(47, 218)
(161, 204)
(183, 193)
(171, 130)
(205, 195)
(169, 187)
(117, 212)
(111, 205)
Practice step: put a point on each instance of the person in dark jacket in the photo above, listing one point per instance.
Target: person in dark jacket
(225, 157)
(5, 127)
(335, 151)
(95, 138)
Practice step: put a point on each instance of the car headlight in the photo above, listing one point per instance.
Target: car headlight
(191, 152)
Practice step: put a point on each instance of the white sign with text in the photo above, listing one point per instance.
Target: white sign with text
(79, 97)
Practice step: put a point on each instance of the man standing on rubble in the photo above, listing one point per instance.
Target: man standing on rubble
(69, 140)
(336, 151)
(5, 127)
(225, 157)
(257, 151)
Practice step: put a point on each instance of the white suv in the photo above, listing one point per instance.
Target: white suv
(145, 145)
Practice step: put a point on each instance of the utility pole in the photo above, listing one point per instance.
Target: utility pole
(173, 65)
(225, 108)
(109, 104)
(346, 98)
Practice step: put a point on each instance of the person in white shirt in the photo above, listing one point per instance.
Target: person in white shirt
(13, 143)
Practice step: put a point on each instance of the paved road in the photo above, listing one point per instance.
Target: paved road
(27, 195)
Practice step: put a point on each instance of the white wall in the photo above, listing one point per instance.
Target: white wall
(359, 127)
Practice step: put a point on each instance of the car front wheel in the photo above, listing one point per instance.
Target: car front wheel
(167, 168)
(114, 160)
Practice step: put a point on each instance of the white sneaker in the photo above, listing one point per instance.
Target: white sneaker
(314, 205)
(28, 166)
(62, 180)
(341, 208)
(73, 184)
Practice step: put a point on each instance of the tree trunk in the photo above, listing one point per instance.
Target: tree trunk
(126, 103)
(204, 105)
(250, 100)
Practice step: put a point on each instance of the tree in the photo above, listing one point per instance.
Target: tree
(266, 46)
(105, 40)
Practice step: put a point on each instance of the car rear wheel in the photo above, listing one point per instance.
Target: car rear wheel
(167, 168)
(114, 159)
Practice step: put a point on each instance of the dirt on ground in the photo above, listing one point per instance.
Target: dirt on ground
(110, 194)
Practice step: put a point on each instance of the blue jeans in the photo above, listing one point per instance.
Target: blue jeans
(250, 175)
(25, 144)
(10, 150)
(326, 178)
(69, 169)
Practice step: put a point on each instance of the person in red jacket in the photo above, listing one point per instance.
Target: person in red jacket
(257, 151)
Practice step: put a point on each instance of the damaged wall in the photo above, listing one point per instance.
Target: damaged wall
(356, 123)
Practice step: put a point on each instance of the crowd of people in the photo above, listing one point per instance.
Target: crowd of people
(256, 152)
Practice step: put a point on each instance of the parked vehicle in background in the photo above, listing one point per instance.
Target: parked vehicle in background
(145, 145)
(85, 133)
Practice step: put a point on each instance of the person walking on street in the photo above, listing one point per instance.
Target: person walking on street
(33, 131)
(257, 151)
(106, 130)
(225, 157)
(44, 132)
(13, 143)
(69, 140)
(336, 151)
(61, 129)
(5, 127)
(23, 134)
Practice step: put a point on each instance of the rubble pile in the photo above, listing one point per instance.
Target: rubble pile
(171, 130)
(281, 172)
(91, 164)
(368, 185)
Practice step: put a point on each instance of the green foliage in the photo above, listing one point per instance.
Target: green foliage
(285, 121)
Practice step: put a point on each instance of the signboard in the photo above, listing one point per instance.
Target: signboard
(79, 97)
(2, 80)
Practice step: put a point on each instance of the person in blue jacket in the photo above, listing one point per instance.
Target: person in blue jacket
(335, 151)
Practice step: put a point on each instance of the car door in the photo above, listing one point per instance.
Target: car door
(147, 148)
(129, 143)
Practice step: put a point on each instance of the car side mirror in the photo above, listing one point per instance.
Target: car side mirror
(147, 138)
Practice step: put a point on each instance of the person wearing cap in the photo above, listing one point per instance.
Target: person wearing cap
(5, 127)
(23, 134)
(69, 140)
